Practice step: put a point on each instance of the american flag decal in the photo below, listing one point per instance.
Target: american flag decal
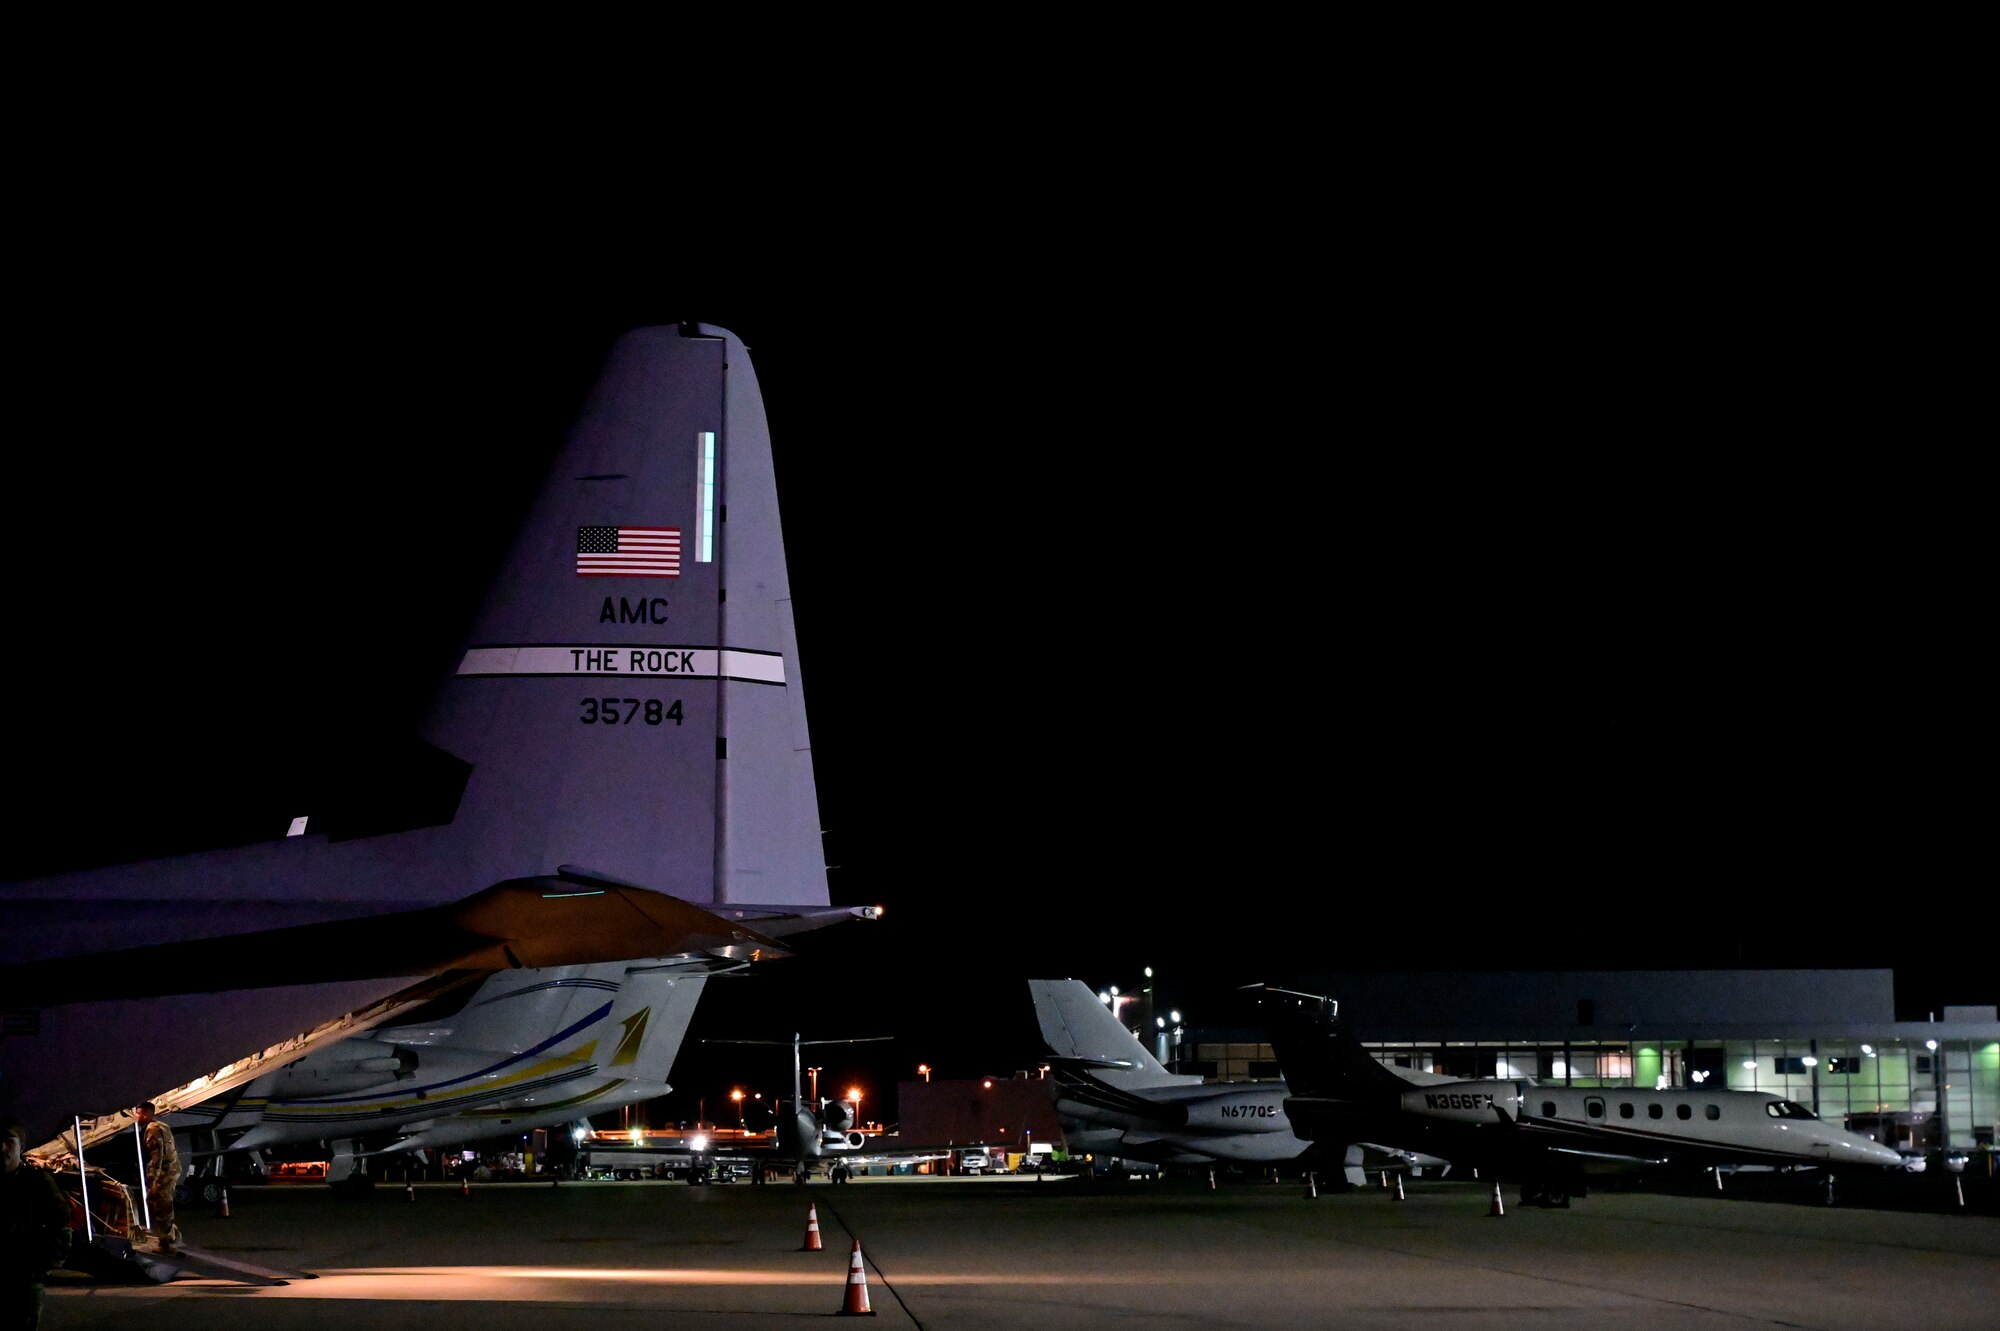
(628, 552)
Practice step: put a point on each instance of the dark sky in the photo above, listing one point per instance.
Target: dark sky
(1440, 606)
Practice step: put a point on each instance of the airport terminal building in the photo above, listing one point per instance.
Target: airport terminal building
(1827, 1039)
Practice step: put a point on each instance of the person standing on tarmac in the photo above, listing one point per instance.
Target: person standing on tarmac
(163, 1175)
(35, 1215)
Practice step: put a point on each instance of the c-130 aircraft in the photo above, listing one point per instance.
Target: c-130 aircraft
(638, 813)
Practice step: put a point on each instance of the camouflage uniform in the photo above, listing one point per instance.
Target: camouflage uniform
(163, 1176)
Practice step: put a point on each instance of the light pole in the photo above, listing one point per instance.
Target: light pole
(814, 1074)
(924, 1071)
(737, 1096)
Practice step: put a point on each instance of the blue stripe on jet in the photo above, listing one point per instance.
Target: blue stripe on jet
(376, 1093)
(442, 1108)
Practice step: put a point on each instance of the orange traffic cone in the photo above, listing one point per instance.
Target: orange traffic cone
(1499, 1207)
(409, 1190)
(812, 1230)
(222, 1205)
(856, 1304)
(1385, 1178)
(1399, 1188)
(465, 1185)
(1312, 1184)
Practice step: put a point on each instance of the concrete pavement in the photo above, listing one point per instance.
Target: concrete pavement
(1018, 1254)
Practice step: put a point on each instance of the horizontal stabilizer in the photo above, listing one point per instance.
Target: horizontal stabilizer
(525, 922)
(1086, 1061)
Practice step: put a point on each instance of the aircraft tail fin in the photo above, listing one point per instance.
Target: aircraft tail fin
(629, 697)
(1081, 1032)
(1315, 1056)
(627, 1019)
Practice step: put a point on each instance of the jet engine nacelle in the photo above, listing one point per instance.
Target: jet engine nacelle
(1466, 1101)
(836, 1115)
(1240, 1111)
(351, 1065)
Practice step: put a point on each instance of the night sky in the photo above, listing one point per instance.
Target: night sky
(1424, 616)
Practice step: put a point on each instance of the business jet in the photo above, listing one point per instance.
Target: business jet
(1115, 1099)
(637, 814)
(808, 1133)
(1541, 1135)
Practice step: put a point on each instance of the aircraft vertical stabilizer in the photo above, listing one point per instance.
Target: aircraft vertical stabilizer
(629, 698)
(1078, 1028)
(627, 712)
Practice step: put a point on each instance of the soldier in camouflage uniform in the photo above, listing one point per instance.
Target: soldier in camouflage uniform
(163, 1175)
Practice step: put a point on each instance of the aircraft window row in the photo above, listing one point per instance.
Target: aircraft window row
(1654, 1110)
(1594, 1108)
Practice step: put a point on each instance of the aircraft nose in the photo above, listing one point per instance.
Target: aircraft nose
(1875, 1153)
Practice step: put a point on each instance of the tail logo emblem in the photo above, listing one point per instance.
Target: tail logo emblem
(635, 1035)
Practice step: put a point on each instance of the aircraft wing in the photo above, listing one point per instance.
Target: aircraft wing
(548, 921)
(1621, 1156)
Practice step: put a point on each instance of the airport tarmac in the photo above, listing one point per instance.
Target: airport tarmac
(1015, 1254)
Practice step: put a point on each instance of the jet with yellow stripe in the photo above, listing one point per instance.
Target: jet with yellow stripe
(522, 1048)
